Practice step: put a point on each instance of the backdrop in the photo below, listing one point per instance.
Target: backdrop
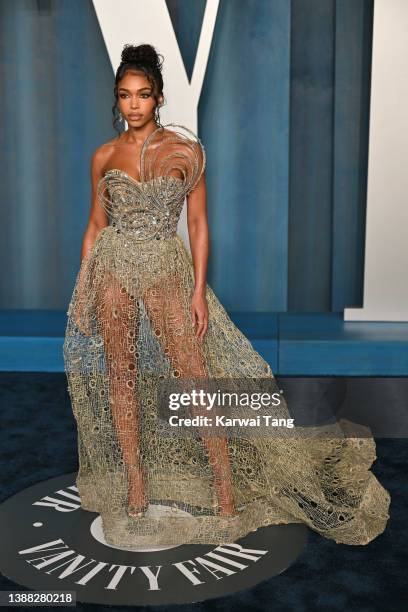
(283, 114)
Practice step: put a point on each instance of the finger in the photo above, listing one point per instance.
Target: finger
(203, 326)
(193, 317)
(199, 325)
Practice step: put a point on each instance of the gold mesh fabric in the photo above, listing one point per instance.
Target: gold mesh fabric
(128, 329)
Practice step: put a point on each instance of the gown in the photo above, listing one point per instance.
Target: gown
(129, 333)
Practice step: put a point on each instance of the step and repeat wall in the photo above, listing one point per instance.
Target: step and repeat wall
(299, 104)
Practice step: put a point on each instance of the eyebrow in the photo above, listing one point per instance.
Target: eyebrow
(128, 90)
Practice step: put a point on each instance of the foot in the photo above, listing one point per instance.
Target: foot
(137, 498)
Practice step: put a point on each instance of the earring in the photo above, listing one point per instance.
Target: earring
(121, 121)
(156, 114)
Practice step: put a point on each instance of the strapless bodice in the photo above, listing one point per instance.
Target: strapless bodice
(143, 209)
(150, 208)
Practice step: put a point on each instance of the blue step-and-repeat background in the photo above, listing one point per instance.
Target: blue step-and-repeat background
(284, 117)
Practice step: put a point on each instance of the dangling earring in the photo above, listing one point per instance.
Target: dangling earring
(156, 114)
(120, 119)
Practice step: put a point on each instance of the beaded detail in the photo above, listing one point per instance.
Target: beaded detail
(151, 208)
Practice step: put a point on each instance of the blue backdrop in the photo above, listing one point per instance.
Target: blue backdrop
(283, 115)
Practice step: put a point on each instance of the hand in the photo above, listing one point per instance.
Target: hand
(80, 320)
(199, 314)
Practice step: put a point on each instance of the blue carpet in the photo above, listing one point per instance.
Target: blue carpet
(38, 441)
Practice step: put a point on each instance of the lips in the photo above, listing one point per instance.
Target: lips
(135, 116)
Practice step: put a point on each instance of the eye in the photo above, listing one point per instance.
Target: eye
(146, 95)
(123, 95)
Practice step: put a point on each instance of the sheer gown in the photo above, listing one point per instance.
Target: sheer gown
(128, 331)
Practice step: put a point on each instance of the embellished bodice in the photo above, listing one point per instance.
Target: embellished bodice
(150, 208)
(143, 210)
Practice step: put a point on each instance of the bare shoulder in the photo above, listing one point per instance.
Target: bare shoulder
(109, 143)
(105, 149)
(101, 156)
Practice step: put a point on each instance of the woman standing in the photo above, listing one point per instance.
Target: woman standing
(142, 315)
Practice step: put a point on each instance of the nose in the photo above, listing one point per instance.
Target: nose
(134, 104)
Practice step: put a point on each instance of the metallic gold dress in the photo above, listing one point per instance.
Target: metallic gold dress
(128, 330)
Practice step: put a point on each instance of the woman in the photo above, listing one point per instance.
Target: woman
(142, 316)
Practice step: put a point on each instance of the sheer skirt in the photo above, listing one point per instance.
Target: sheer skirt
(129, 329)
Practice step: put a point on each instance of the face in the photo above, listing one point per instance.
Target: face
(135, 99)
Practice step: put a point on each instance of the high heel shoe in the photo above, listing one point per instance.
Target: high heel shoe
(137, 511)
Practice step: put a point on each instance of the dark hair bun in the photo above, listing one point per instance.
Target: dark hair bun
(141, 54)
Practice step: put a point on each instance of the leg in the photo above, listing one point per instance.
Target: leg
(172, 325)
(119, 321)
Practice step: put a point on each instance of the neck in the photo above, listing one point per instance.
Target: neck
(137, 135)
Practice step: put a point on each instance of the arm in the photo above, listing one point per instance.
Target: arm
(199, 242)
(98, 218)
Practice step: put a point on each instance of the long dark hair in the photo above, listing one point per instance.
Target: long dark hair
(146, 59)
